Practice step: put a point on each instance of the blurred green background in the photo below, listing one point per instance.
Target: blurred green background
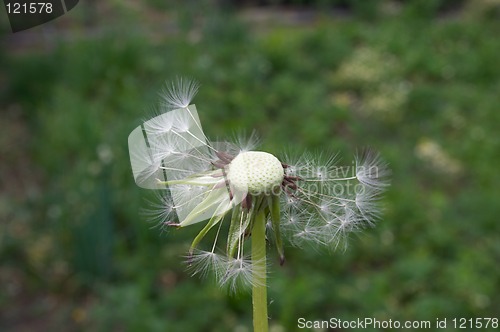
(417, 80)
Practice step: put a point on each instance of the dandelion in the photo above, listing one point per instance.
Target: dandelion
(305, 200)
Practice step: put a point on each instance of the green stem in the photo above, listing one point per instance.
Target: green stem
(259, 290)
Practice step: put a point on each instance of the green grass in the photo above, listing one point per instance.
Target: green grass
(424, 92)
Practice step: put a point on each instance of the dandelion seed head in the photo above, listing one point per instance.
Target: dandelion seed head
(324, 206)
(371, 171)
(320, 204)
(367, 204)
(309, 234)
(293, 221)
(290, 202)
(290, 218)
(202, 263)
(179, 93)
(160, 209)
(291, 170)
(321, 174)
(240, 273)
(182, 122)
(159, 125)
(246, 144)
(162, 148)
(255, 172)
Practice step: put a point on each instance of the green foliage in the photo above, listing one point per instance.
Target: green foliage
(422, 90)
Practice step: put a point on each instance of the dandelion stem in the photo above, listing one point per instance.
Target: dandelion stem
(259, 290)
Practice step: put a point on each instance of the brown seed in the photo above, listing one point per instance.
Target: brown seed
(293, 178)
(224, 156)
(290, 184)
(219, 164)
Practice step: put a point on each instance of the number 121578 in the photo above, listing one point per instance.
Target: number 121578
(29, 8)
